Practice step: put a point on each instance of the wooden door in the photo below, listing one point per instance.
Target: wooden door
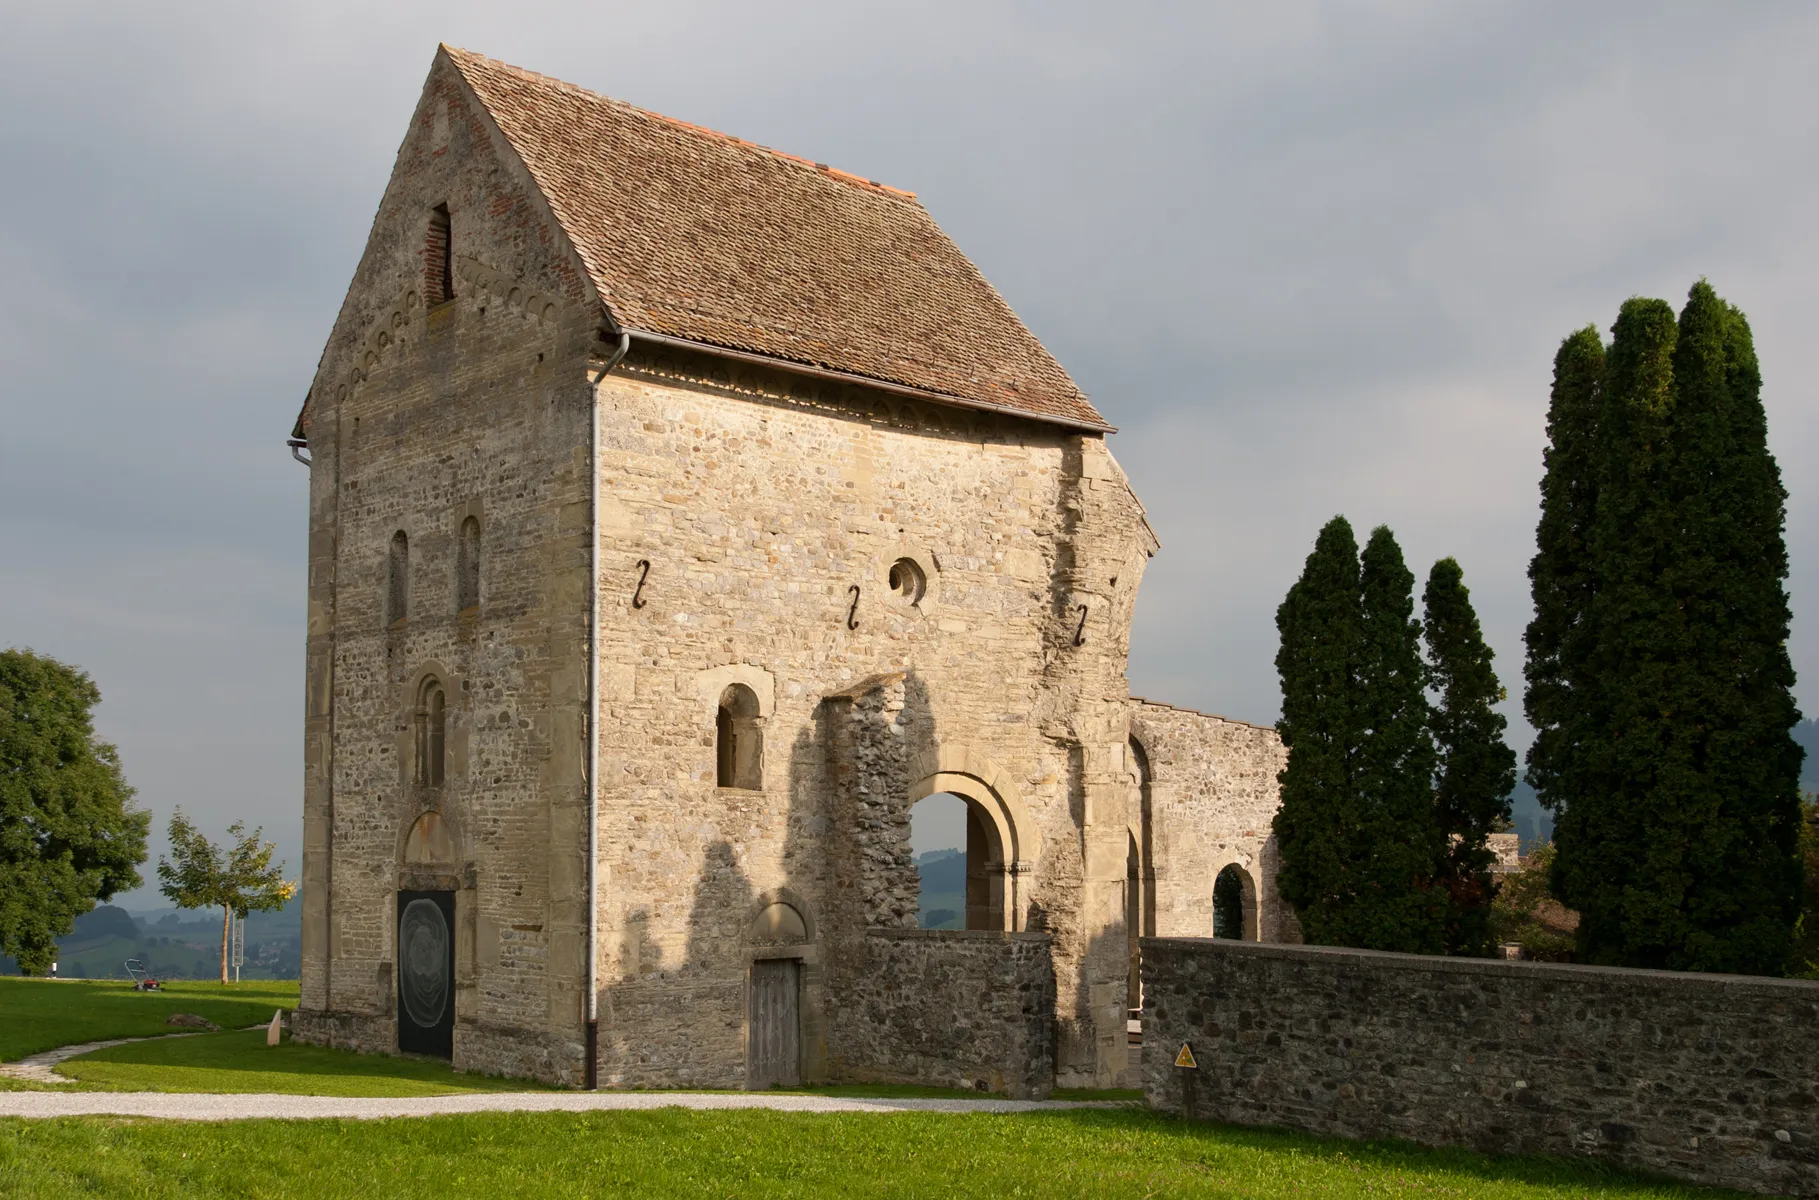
(774, 1050)
(426, 973)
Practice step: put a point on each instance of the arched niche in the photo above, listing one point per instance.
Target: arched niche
(429, 842)
(780, 922)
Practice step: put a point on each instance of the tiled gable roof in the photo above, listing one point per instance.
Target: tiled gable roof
(692, 234)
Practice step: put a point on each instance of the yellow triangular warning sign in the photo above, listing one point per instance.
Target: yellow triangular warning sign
(1186, 1058)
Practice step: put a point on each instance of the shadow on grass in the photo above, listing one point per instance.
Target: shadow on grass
(1387, 1155)
(235, 1061)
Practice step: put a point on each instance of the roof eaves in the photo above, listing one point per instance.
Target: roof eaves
(853, 377)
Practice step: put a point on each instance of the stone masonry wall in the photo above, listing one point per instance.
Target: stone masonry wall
(1212, 793)
(423, 417)
(949, 1008)
(1707, 1077)
(770, 511)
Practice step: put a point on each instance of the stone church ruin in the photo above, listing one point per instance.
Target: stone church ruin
(682, 513)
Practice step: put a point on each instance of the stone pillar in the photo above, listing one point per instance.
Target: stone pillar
(873, 864)
(1103, 547)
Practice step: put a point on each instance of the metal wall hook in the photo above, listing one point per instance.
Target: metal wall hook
(852, 614)
(1080, 629)
(644, 573)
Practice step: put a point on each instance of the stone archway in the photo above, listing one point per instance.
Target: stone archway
(998, 838)
(1235, 908)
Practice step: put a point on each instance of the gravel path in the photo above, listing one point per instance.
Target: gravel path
(210, 1107)
(38, 1067)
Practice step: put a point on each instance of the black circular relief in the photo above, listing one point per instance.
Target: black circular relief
(423, 962)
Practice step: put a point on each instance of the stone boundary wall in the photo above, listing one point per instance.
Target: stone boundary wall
(948, 1008)
(1712, 1078)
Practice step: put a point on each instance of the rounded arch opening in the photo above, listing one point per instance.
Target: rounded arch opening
(1234, 904)
(738, 740)
(966, 850)
(960, 863)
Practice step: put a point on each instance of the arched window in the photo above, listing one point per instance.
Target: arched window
(738, 740)
(1229, 903)
(398, 580)
(467, 566)
(432, 732)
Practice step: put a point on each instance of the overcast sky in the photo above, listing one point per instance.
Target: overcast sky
(1310, 258)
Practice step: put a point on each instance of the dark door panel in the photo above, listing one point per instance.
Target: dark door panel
(426, 973)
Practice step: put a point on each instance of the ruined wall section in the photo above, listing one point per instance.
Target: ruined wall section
(1212, 795)
(420, 417)
(949, 1008)
(870, 775)
(760, 501)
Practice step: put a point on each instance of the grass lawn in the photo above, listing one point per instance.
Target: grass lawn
(242, 1062)
(42, 1014)
(671, 1152)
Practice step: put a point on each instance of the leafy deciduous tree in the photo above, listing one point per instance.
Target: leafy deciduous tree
(69, 832)
(240, 879)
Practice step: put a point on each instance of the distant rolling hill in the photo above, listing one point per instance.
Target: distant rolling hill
(1807, 734)
(943, 889)
(175, 944)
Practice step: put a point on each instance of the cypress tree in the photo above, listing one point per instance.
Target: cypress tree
(1315, 824)
(1667, 704)
(1360, 849)
(1561, 574)
(1599, 834)
(1401, 904)
(1476, 768)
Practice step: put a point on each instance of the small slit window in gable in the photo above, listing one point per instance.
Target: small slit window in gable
(398, 579)
(438, 258)
(467, 567)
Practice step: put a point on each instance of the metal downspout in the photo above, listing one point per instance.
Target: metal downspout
(591, 1067)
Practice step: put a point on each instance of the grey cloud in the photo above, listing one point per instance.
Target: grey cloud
(1311, 258)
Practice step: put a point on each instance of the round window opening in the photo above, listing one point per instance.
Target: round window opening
(907, 582)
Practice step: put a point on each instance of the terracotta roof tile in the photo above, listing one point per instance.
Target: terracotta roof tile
(696, 235)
